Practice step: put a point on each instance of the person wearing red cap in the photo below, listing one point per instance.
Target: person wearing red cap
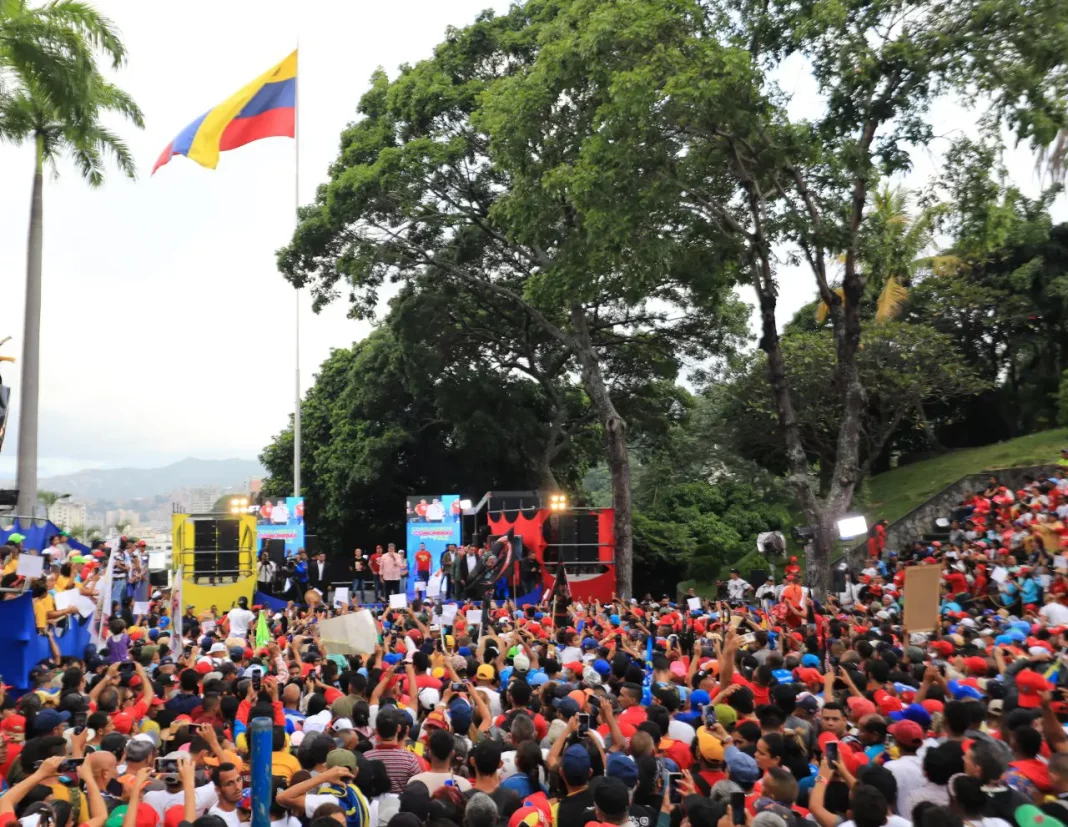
(907, 768)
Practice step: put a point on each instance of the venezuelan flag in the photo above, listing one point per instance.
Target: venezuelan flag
(266, 108)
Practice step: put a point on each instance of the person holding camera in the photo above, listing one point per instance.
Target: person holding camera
(266, 572)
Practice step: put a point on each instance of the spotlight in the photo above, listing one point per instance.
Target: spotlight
(850, 527)
(557, 502)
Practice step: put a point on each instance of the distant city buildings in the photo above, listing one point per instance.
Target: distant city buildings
(121, 516)
(66, 514)
(202, 500)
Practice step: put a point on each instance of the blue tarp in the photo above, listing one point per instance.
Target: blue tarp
(23, 648)
(38, 536)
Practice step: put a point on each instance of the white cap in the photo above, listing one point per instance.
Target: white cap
(218, 647)
(521, 662)
(342, 724)
(429, 697)
(318, 722)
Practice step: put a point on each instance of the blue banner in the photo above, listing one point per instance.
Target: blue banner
(433, 522)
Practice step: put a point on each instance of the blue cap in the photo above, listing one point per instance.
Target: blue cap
(1003, 640)
(783, 675)
(575, 764)
(1017, 635)
(206, 641)
(589, 643)
(48, 719)
(392, 658)
(537, 678)
(913, 712)
(810, 660)
(460, 715)
(237, 652)
(538, 615)
(699, 698)
(153, 634)
(613, 619)
(602, 667)
(622, 767)
(566, 706)
(464, 651)
(961, 692)
(741, 768)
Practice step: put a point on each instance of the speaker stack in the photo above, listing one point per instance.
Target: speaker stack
(216, 547)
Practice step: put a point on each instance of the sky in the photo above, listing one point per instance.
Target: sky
(167, 331)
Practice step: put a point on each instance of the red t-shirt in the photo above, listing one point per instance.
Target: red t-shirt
(422, 560)
(373, 562)
(957, 582)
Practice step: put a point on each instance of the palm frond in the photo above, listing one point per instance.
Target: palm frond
(822, 309)
(891, 300)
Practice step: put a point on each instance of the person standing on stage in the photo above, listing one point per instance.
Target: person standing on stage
(448, 557)
(424, 561)
(375, 565)
(359, 569)
(390, 567)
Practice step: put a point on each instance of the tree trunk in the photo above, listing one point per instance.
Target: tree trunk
(820, 552)
(615, 430)
(31, 347)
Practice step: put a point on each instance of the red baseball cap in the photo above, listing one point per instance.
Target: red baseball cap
(123, 722)
(975, 665)
(907, 733)
(860, 706)
(1029, 684)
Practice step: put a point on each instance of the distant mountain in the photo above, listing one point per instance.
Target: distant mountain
(128, 483)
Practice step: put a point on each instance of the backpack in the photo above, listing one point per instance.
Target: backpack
(351, 800)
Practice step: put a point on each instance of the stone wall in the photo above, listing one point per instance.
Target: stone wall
(921, 519)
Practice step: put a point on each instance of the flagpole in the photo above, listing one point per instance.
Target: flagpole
(296, 292)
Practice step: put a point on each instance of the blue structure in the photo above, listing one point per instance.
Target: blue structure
(23, 648)
(38, 535)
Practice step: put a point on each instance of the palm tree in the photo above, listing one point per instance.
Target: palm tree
(51, 46)
(891, 251)
(31, 114)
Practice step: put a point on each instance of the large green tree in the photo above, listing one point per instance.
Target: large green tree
(434, 183)
(687, 108)
(53, 94)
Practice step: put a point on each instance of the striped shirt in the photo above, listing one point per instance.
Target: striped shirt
(401, 765)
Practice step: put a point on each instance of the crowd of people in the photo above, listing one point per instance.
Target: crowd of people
(772, 708)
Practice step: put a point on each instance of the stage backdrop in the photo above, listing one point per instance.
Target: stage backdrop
(434, 521)
(282, 518)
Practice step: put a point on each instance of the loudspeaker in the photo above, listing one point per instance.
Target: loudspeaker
(276, 549)
(205, 536)
(227, 534)
(757, 578)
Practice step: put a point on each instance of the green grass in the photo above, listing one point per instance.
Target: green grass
(893, 494)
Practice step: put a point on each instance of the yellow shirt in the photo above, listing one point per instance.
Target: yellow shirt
(11, 565)
(63, 583)
(41, 607)
(284, 764)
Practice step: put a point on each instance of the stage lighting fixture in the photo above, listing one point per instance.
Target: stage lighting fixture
(850, 527)
(465, 504)
(557, 502)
